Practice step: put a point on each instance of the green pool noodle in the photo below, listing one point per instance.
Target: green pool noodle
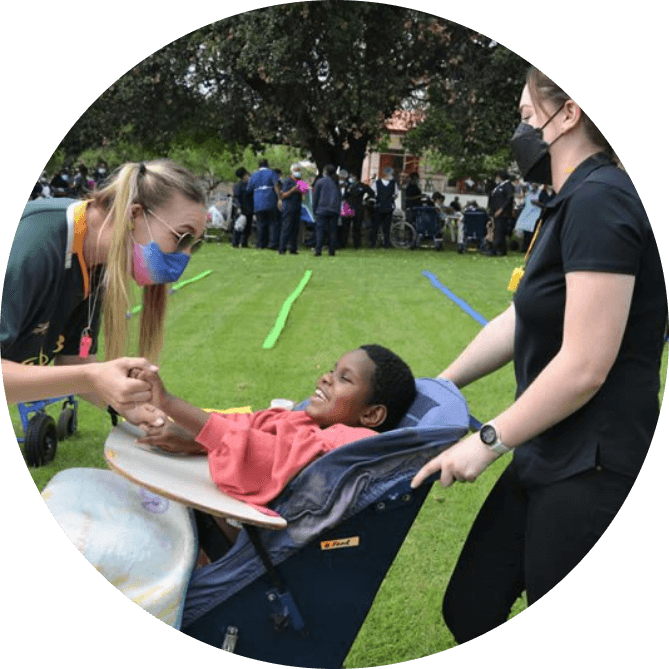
(175, 287)
(283, 314)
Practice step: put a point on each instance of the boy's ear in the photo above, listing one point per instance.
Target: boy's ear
(374, 415)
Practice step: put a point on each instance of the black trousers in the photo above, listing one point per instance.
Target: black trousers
(267, 229)
(290, 229)
(326, 224)
(527, 540)
(382, 219)
(503, 226)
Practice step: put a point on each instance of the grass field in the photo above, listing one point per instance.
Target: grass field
(213, 357)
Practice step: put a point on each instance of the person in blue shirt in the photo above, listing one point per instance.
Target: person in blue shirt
(291, 210)
(266, 195)
(327, 204)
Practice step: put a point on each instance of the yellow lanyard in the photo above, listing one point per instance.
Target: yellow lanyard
(534, 238)
(518, 272)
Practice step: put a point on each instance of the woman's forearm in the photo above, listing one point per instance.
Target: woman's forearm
(31, 383)
(105, 382)
(62, 360)
(490, 350)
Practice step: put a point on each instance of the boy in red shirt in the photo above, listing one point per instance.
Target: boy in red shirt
(253, 456)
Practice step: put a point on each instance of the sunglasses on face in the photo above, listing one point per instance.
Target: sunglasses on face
(185, 242)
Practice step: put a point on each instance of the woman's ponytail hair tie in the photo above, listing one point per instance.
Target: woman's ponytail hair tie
(142, 169)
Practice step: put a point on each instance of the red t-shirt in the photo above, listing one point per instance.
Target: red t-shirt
(252, 457)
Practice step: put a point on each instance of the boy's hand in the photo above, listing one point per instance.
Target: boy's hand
(159, 394)
(172, 439)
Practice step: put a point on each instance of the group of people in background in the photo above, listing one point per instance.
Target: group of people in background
(514, 207)
(65, 183)
(336, 204)
(338, 209)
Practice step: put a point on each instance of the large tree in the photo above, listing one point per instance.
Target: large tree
(470, 120)
(320, 76)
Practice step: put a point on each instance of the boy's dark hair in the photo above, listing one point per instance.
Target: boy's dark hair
(240, 172)
(329, 170)
(393, 385)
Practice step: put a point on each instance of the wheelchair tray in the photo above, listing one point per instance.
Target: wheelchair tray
(182, 478)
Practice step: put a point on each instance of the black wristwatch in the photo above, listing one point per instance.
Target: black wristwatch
(492, 439)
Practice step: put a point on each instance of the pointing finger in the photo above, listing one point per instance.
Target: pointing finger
(427, 470)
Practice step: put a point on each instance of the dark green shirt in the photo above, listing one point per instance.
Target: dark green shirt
(44, 312)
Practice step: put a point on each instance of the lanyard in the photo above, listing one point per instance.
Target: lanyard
(518, 272)
(78, 244)
(534, 238)
(86, 340)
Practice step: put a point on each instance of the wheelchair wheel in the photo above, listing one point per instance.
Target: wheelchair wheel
(402, 234)
(41, 440)
(67, 422)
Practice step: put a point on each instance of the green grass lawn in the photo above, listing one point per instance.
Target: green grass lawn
(213, 357)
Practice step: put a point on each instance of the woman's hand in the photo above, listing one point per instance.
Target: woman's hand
(110, 381)
(159, 394)
(172, 439)
(463, 461)
(145, 416)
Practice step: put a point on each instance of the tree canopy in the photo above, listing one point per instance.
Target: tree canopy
(319, 76)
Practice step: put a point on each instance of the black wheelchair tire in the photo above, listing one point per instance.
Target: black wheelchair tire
(41, 440)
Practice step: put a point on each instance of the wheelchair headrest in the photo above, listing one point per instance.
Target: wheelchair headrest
(438, 402)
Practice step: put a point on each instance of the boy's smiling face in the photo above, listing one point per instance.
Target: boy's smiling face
(341, 395)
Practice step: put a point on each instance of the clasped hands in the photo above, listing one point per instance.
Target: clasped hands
(152, 419)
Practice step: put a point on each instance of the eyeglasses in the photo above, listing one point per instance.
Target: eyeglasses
(186, 241)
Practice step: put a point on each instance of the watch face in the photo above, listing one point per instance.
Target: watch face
(488, 435)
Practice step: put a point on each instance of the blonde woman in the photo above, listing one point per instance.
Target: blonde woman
(72, 262)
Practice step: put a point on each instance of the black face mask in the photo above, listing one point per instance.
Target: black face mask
(530, 152)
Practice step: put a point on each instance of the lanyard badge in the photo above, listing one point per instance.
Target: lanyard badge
(516, 276)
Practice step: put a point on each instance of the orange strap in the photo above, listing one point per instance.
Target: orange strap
(78, 244)
(534, 238)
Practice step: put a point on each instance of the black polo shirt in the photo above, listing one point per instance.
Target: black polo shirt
(595, 223)
(43, 310)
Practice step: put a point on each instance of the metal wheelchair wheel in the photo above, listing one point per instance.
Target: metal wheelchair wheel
(41, 440)
(402, 234)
